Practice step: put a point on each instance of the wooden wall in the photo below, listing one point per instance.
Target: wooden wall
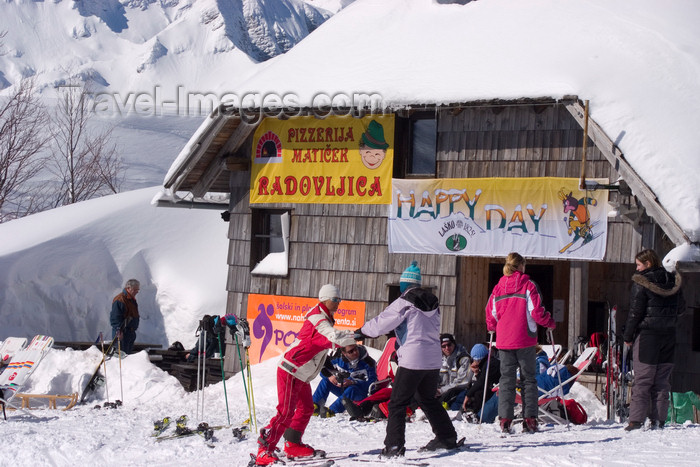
(347, 244)
(528, 141)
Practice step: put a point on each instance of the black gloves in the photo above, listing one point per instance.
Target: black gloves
(359, 335)
(341, 376)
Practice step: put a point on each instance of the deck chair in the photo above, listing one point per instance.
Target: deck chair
(383, 378)
(22, 365)
(552, 354)
(9, 347)
(582, 363)
(547, 397)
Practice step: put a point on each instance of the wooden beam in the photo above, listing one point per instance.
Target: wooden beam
(174, 182)
(639, 188)
(218, 164)
(578, 300)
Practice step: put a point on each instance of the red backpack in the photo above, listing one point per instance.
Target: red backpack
(577, 414)
(598, 339)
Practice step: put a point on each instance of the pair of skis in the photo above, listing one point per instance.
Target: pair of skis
(618, 372)
(321, 459)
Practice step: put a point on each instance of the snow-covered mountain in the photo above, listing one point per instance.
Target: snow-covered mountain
(134, 46)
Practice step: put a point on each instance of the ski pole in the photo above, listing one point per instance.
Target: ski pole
(486, 379)
(121, 385)
(245, 385)
(199, 354)
(204, 369)
(250, 383)
(104, 364)
(561, 387)
(223, 377)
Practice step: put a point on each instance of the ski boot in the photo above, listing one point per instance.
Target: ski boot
(505, 425)
(299, 450)
(530, 425)
(392, 451)
(264, 457)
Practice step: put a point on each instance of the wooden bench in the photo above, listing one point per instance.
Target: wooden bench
(82, 345)
(52, 398)
(186, 373)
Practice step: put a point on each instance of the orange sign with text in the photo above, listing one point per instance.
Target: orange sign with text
(276, 320)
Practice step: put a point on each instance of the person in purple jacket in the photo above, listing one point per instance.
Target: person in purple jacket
(415, 318)
(513, 311)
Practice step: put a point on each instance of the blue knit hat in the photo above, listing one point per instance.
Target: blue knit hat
(411, 276)
(479, 352)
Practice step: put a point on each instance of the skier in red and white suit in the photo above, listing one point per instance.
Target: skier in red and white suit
(298, 367)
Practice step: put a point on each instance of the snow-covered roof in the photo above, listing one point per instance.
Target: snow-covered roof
(638, 62)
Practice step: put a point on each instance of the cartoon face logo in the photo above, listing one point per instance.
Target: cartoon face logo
(373, 145)
(372, 158)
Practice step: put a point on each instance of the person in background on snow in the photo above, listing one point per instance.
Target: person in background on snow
(454, 370)
(655, 304)
(300, 364)
(542, 359)
(415, 318)
(124, 317)
(348, 374)
(513, 311)
(375, 406)
(472, 397)
(548, 380)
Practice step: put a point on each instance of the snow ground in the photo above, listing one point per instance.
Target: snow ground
(106, 437)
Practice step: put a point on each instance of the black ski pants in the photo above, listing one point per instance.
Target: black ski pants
(423, 385)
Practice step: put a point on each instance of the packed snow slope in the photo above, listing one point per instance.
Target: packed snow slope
(60, 269)
(637, 61)
(122, 437)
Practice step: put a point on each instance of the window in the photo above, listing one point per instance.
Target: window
(269, 242)
(416, 145)
(695, 337)
(423, 146)
(394, 291)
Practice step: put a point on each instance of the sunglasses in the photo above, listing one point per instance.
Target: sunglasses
(444, 346)
(336, 300)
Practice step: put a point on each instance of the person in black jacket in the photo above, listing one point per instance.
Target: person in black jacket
(655, 304)
(473, 396)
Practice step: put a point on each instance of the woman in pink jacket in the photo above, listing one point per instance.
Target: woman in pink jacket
(513, 311)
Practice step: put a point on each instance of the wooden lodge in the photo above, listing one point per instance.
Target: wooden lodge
(346, 244)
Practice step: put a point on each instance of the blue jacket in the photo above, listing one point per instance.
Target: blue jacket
(548, 380)
(362, 371)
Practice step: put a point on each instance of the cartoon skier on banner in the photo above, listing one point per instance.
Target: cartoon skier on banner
(579, 219)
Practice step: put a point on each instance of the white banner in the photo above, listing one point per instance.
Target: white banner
(536, 217)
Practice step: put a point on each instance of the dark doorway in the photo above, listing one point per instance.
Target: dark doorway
(542, 275)
(597, 318)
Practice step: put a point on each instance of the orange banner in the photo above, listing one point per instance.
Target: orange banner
(276, 320)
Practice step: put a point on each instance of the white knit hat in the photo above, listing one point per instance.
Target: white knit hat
(327, 292)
